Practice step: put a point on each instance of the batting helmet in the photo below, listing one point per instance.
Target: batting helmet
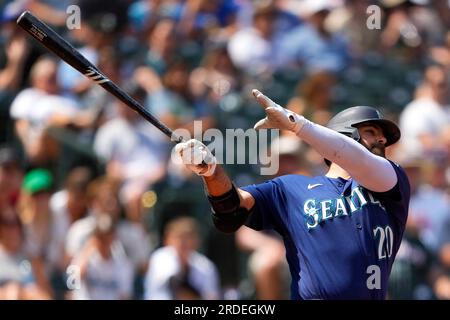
(347, 121)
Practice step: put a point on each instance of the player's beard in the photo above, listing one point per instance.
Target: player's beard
(376, 148)
(379, 150)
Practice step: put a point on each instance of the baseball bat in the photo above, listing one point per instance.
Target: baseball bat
(55, 43)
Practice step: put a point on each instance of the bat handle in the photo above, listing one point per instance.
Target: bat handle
(177, 139)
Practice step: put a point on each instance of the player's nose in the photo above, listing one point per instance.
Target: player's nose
(381, 139)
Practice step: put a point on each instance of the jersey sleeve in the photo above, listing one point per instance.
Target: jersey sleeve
(397, 199)
(268, 196)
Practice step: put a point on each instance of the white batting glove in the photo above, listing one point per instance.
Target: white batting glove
(196, 157)
(277, 116)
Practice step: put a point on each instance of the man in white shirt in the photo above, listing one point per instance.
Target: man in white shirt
(178, 259)
(427, 115)
(105, 271)
(251, 49)
(40, 106)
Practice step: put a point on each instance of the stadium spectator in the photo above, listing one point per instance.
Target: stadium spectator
(441, 52)
(105, 271)
(423, 118)
(130, 147)
(411, 24)
(429, 205)
(99, 27)
(325, 51)
(178, 259)
(442, 282)
(51, 11)
(167, 97)
(162, 42)
(67, 206)
(41, 237)
(22, 277)
(353, 22)
(202, 18)
(411, 275)
(103, 198)
(314, 99)
(259, 57)
(212, 80)
(266, 263)
(14, 51)
(37, 108)
(11, 176)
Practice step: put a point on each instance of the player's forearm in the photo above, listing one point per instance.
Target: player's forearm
(230, 205)
(370, 170)
(218, 183)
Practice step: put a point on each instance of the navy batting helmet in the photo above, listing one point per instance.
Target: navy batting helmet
(347, 122)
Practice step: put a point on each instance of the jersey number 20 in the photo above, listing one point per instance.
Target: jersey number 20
(385, 241)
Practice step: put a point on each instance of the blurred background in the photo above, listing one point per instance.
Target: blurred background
(91, 207)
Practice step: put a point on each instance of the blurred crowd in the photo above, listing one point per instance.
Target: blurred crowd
(91, 207)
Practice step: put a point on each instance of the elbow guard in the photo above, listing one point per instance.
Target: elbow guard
(230, 222)
(227, 215)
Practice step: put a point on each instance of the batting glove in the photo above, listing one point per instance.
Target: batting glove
(277, 116)
(196, 157)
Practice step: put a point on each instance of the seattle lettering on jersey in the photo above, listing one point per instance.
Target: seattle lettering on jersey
(319, 211)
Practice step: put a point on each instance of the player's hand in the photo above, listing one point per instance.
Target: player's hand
(277, 116)
(196, 157)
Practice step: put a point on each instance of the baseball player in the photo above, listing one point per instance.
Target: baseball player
(341, 230)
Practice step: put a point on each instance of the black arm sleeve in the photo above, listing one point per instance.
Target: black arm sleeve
(227, 215)
(231, 222)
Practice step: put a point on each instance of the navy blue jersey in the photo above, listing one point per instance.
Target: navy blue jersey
(341, 239)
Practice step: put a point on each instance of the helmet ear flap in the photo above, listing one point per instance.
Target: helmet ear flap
(352, 132)
(355, 134)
